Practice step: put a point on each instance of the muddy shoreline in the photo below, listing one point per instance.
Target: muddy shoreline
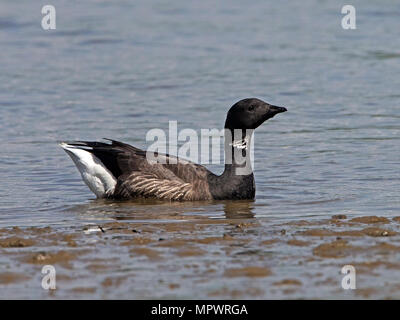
(192, 257)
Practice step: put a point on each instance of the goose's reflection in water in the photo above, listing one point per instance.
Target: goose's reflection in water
(150, 209)
(239, 209)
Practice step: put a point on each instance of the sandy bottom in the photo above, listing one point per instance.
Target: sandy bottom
(192, 257)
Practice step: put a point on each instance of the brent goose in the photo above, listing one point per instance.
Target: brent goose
(120, 171)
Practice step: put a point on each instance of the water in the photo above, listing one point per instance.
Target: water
(117, 69)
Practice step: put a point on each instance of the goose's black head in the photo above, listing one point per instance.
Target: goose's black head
(250, 113)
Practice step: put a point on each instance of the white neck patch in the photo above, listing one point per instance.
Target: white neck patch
(240, 144)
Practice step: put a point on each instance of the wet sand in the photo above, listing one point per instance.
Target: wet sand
(194, 257)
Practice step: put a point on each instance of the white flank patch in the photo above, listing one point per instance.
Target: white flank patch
(97, 177)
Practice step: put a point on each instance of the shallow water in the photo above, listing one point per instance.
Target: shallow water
(118, 69)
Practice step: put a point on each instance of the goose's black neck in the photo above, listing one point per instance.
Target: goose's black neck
(237, 180)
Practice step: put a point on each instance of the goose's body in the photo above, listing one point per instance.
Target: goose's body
(119, 171)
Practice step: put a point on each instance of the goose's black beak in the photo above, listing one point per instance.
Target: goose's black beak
(273, 110)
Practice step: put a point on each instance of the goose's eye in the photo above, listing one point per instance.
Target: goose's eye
(251, 108)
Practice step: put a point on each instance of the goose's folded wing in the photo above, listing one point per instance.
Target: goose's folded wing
(188, 171)
(132, 159)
